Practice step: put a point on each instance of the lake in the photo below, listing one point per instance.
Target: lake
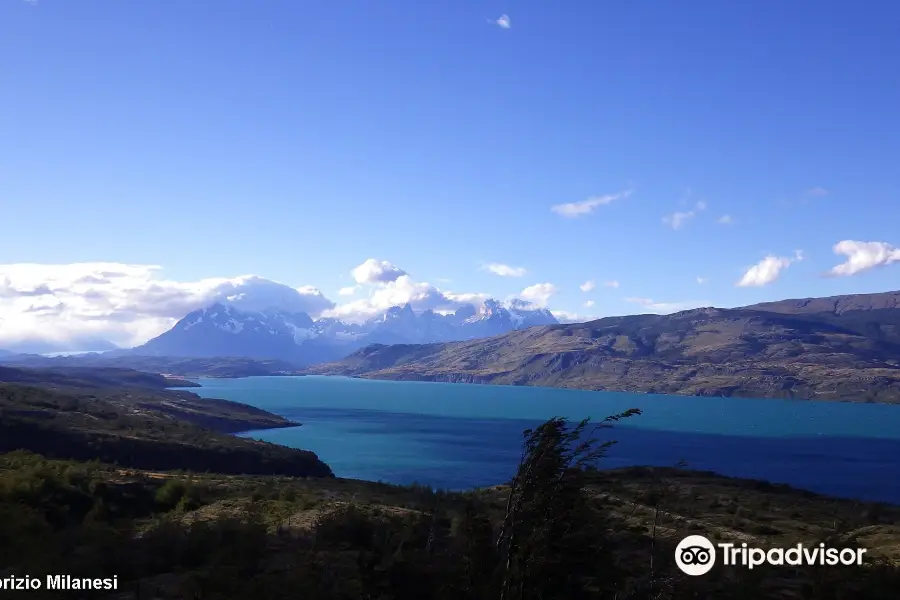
(458, 436)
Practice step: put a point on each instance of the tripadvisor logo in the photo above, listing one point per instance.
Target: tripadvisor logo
(696, 555)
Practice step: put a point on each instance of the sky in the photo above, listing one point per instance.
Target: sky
(596, 158)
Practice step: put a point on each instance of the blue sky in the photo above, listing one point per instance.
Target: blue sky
(294, 140)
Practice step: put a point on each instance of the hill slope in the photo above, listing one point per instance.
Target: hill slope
(818, 354)
(140, 427)
(221, 537)
(837, 305)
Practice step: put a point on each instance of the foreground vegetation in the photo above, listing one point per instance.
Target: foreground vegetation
(559, 530)
(106, 473)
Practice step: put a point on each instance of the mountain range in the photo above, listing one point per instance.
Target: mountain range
(224, 330)
(838, 348)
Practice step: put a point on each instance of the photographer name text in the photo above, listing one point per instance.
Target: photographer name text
(61, 583)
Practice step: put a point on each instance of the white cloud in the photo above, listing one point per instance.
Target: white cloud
(505, 270)
(539, 293)
(653, 306)
(389, 285)
(817, 192)
(862, 256)
(564, 316)
(373, 271)
(126, 304)
(458, 299)
(767, 270)
(129, 304)
(250, 292)
(402, 290)
(725, 220)
(702, 280)
(677, 220)
(348, 291)
(503, 22)
(589, 304)
(589, 286)
(573, 210)
(356, 311)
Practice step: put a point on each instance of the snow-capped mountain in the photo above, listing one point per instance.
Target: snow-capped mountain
(224, 330)
(494, 318)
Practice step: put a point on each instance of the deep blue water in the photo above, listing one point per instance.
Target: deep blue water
(458, 436)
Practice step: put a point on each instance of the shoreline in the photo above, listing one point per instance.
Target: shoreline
(674, 396)
(467, 380)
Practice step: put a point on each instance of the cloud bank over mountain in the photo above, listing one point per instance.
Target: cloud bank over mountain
(75, 305)
(123, 303)
(87, 305)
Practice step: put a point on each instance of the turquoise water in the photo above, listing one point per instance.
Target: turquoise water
(458, 435)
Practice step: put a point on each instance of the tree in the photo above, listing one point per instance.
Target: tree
(552, 540)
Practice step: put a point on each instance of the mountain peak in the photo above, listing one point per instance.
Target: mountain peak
(222, 329)
(519, 304)
(214, 307)
(466, 311)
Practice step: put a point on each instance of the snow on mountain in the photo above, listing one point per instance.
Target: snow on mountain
(224, 329)
(526, 314)
(257, 294)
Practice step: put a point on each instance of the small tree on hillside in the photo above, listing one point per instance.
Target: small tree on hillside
(552, 543)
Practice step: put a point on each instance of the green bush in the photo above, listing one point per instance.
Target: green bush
(170, 494)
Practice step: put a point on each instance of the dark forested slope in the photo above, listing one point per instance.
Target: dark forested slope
(139, 427)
